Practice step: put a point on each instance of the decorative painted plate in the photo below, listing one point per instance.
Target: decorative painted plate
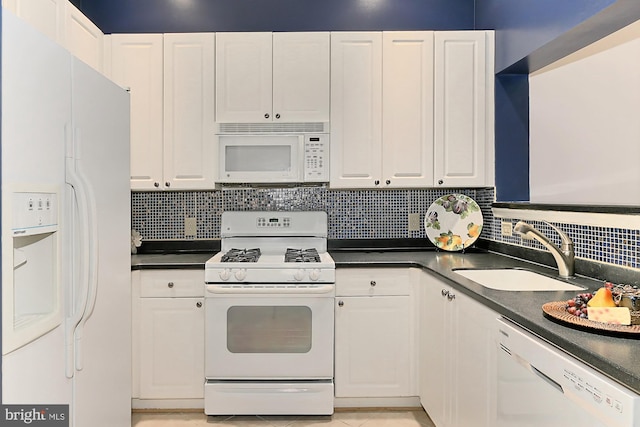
(453, 222)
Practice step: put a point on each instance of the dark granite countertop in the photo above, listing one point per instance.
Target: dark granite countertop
(617, 357)
(170, 261)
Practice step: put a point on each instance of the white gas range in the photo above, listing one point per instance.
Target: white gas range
(270, 316)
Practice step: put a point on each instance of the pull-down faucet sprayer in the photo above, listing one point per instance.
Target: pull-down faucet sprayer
(564, 255)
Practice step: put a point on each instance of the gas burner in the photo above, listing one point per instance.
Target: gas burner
(241, 255)
(301, 255)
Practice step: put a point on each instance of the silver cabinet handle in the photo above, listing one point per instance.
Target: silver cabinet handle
(440, 182)
(451, 297)
(199, 304)
(156, 184)
(277, 116)
(376, 182)
(373, 283)
(444, 292)
(340, 303)
(266, 115)
(170, 284)
(388, 182)
(167, 184)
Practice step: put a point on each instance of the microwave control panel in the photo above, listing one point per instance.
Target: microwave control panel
(316, 158)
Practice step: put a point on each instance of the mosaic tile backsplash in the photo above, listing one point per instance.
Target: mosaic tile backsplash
(358, 214)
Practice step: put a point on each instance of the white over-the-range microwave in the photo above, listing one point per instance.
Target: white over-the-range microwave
(273, 158)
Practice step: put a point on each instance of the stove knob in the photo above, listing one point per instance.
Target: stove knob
(299, 274)
(314, 274)
(241, 274)
(225, 274)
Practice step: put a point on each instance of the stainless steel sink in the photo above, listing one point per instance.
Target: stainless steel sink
(515, 279)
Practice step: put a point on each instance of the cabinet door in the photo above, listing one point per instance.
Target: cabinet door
(356, 109)
(434, 356)
(171, 348)
(47, 16)
(301, 77)
(372, 347)
(189, 102)
(473, 352)
(136, 63)
(460, 108)
(407, 109)
(83, 38)
(243, 77)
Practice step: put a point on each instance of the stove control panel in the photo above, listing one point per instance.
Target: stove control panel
(274, 221)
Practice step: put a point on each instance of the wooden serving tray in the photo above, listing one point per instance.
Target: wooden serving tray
(557, 310)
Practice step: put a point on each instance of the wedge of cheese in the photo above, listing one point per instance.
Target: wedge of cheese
(612, 315)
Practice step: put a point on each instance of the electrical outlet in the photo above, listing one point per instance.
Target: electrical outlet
(506, 228)
(190, 227)
(414, 222)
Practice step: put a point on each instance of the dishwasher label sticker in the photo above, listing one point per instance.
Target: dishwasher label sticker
(35, 415)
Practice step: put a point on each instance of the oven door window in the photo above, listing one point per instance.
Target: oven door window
(269, 329)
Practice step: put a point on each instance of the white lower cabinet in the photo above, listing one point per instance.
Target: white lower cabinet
(374, 331)
(457, 356)
(168, 334)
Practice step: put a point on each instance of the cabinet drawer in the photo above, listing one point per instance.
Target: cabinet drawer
(373, 281)
(171, 283)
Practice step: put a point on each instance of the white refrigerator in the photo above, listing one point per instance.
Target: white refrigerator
(66, 297)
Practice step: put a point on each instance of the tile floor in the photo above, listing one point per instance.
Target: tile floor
(341, 418)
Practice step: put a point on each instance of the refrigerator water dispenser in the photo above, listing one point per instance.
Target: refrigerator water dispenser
(31, 269)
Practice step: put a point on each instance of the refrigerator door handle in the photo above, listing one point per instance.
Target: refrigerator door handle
(87, 226)
(77, 312)
(92, 284)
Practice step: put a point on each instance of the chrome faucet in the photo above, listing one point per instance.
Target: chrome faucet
(564, 255)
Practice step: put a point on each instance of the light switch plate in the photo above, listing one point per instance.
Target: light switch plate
(190, 227)
(414, 222)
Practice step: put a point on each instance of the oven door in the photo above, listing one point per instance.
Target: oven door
(269, 336)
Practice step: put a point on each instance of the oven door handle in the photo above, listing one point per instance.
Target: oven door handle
(266, 289)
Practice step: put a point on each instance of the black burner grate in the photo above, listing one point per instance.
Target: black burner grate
(241, 255)
(301, 255)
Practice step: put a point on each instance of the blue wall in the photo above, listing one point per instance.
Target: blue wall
(160, 16)
(512, 137)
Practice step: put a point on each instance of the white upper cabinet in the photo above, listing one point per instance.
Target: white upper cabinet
(265, 77)
(47, 16)
(412, 109)
(382, 109)
(62, 22)
(356, 109)
(463, 108)
(83, 38)
(189, 105)
(171, 78)
(243, 77)
(407, 109)
(136, 63)
(301, 77)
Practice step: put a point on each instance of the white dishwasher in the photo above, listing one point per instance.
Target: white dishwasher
(538, 385)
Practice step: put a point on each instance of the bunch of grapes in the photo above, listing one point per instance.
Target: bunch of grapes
(578, 304)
